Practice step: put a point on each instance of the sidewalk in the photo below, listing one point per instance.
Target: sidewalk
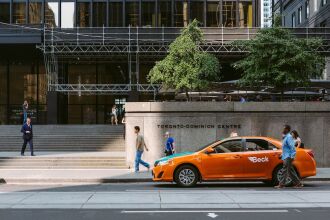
(165, 199)
(88, 176)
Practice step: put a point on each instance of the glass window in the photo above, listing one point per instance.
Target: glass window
(42, 85)
(229, 146)
(164, 13)
(5, 12)
(115, 14)
(212, 15)
(257, 145)
(51, 14)
(132, 13)
(293, 19)
(3, 114)
(197, 11)
(229, 14)
(19, 15)
(67, 14)
(148, 16)
(178, 14)
(245, 14)
(307, 9)
(324, 2)
(99, 14)
(3, 83)
(315, 5)
(35, 12)
(299, 15)
(83, 14)
(23, 86)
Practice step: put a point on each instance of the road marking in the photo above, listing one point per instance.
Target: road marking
(206, 211)
(212, 215)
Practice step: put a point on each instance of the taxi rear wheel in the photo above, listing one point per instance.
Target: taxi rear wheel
(277, 176)
(186, 176)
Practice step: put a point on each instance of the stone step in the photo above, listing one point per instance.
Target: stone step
(120, 142)
(18, 150)
(64, 167)
(64, 161)
(84, 138)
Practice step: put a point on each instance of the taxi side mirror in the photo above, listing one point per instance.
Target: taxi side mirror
(209, 151)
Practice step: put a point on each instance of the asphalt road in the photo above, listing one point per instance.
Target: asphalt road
(182, 213)
(228, 214)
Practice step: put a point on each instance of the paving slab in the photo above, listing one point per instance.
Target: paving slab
(264, 198)
(124, 198)
(57, 198)
(12, 198)
(313, 196)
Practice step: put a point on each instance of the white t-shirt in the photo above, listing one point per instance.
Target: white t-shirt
(114, 111)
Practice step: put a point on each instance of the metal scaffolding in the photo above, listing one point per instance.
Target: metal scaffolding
(61, 45)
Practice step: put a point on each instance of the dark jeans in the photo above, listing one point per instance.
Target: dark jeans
(30, 142)
(168, 153)
(288, 171)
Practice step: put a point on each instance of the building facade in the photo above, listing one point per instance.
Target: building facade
(122, 13)
(266, 13)
(303, 13)
(23, 74)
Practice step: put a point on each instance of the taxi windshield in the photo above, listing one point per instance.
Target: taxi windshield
(201, 148)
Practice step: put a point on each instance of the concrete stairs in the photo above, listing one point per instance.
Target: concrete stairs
(65, 138)
(65, 147)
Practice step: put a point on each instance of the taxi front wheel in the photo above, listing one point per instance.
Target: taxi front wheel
(186, 176)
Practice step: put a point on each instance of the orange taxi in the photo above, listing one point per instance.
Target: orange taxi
(238, 158)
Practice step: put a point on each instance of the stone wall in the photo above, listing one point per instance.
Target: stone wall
(195, 124)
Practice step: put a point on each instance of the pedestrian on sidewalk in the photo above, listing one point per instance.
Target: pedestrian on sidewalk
(297, 140)
(169, 145)
(25, 108)
(114, 117)
(27, 136)
(140, 146)
(288, 156)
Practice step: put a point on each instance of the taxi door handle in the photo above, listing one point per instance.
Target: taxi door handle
(237, 156)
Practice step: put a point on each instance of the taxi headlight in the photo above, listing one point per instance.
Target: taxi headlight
(165, 162)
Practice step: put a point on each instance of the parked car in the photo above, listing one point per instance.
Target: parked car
(238, 158)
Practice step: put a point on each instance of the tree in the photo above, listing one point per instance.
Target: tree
(186, 67)
(277, 58)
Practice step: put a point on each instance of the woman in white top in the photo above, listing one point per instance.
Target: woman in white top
(297, 139)
(114, 119)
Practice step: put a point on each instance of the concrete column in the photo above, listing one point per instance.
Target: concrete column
(52, 107)
(326, 73)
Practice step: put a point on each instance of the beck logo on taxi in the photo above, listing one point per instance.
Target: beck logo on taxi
(258, 160)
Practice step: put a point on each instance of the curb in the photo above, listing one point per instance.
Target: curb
(100, 181)
(73, 181)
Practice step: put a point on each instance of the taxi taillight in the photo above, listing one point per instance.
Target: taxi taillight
(310, 153)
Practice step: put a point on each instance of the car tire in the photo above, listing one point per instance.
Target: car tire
(268, 182)
(186, 176)
(277, 176)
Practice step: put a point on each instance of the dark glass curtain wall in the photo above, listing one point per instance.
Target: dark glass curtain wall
(119, 13)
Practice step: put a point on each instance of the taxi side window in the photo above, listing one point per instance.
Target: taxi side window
(256, 145)
(229, 146)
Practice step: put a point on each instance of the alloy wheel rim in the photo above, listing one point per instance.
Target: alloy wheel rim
(187, 176)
